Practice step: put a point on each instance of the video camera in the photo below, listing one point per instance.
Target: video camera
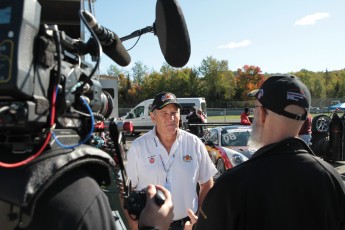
(50, 96)
(43, 81)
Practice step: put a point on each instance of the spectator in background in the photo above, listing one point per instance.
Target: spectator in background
(305, 131)
(204, 115)
(191, 112)
(245, 117)
(201, 115)
(195, 118)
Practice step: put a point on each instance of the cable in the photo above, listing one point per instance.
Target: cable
(94, 69)
(86, 138)
(53, 103)
(52, 113)
(27, 160)
(134, 43)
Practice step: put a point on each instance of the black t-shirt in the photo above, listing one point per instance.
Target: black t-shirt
(193, 118)
(75, 201)
(281, 187)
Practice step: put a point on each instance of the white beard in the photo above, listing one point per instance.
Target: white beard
(255, 139)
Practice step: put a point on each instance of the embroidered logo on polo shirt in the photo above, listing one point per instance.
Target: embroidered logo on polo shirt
(187, 158)
(152, 159)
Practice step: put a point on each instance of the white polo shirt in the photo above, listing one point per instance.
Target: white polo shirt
(188, 163)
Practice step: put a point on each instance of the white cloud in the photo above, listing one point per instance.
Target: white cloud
(311, 19)
(233, 45)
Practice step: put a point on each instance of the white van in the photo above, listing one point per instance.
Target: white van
(140, 115)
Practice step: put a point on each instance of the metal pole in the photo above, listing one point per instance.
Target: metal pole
(225, 115)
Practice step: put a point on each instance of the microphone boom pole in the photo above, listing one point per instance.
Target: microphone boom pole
(137, 33)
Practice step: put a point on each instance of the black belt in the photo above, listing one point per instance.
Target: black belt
(179, 223)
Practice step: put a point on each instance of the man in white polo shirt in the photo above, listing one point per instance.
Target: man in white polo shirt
(171, 157)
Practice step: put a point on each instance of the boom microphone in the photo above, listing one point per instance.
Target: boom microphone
(111, 43)
(172, 33)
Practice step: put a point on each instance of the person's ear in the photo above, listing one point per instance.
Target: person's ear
(263, 114)
(153, 118)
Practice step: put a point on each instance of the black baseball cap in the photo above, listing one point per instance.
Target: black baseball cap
(163, 99)
(279, 91)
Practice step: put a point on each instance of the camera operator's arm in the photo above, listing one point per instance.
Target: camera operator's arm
(193, 218)
(153, 215)
(204, 188)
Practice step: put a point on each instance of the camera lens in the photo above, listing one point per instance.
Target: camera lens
(106, 104)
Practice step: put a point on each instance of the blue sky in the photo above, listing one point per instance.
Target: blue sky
(278, 36)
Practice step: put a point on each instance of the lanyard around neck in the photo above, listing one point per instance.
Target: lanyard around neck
(171, 161)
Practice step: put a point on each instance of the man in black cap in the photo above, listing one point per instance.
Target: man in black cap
(173, 158)
(195, 118)
(283, 185)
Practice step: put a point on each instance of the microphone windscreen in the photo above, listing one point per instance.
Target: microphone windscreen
(172, 33)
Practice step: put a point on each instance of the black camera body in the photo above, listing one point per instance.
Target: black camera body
(136, 201)
(47, 90)
(35, 61)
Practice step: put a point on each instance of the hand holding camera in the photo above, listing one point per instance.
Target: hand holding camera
(155, 214)
(136, 201)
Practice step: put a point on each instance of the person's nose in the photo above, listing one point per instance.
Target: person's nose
(172, 117)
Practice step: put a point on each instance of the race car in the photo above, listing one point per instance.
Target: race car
(227, 146)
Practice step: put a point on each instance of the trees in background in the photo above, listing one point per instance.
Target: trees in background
(215, 81)
(247, 79)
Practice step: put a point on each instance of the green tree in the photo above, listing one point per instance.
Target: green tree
(113, 71)
(153, 84)
(139, 71)
(314, 81)
(218, 84)
(124, 87)
(341, 75)
(194, 86)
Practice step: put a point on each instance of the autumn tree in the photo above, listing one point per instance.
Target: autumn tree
(248, 78)
(215, 81)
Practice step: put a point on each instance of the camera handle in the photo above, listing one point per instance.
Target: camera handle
(159, 198)
(116, 138)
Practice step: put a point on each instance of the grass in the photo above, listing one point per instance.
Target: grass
(236, 118)
(222, 118)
